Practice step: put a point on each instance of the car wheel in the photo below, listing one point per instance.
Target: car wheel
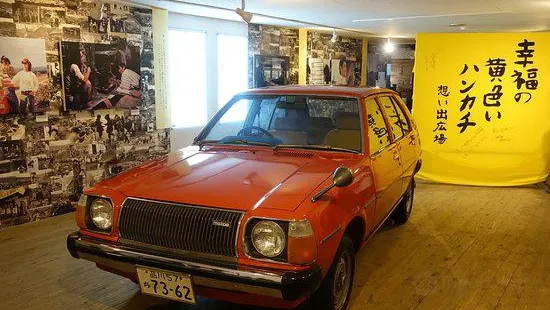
(403, 211)
(335, 290)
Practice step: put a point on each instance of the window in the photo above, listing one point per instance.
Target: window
(403, 121)
(232, 120)
(289, 119)
(258, 112)
(187, 77)
(393, 117)
(378, 134)
(232, 66)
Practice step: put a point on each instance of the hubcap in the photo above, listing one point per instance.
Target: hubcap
(341, 282)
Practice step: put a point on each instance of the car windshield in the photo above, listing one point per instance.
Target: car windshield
(299, 121)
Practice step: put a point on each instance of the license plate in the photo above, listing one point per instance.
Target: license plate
(166, 284)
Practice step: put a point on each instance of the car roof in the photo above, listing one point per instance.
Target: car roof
(323, 90)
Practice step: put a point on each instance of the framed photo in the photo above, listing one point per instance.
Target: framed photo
(100, 76)
(25, 86)
(270, 70)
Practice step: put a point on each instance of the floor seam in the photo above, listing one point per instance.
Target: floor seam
(448, 269)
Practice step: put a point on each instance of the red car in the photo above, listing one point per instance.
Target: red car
(268, 206)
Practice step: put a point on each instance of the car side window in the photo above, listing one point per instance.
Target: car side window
(378, 134)
(404, 122)
(393, 117)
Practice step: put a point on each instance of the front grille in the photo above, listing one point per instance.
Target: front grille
(182, 227)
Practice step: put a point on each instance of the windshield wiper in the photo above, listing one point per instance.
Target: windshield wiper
(242, 141)
(200, 143)
(314, 147)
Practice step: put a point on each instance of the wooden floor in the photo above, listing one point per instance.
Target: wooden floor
(463, 248)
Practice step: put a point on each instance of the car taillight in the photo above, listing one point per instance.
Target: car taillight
(301, 243)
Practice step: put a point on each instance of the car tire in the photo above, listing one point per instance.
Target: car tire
(403, 211)
(335, 290)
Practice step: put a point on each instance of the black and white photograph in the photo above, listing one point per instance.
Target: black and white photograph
(273, 41)
(117, 25)
(97, 26)
(26, 13)
(54, 69)
(319, 71)
(52, 16)
(13, 149)
(93, 25)
(100, 76)
(131, 25)
(270, 70)
(147, 58)
(12, 128)
(142, 16)
(6, 9)
(71, 33)
(119, 9)
(72, 4)
(8, 29)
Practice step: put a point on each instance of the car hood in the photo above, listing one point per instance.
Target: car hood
(233, 179)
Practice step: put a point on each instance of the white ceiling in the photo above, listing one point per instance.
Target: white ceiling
(385, 18)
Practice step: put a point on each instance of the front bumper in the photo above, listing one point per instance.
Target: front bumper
(287, 285)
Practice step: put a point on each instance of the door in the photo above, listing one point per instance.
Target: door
(385, 162)
(409, 146)
(399, 131)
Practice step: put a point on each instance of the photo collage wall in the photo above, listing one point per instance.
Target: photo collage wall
(76, 102)
(274, 52)
(273, 55)
(336, 63)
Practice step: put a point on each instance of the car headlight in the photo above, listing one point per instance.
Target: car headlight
(268, 238)
(101, 213)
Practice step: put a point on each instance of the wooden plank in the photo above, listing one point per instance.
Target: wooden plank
(463, 248)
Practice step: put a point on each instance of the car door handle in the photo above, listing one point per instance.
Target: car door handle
(396, 156)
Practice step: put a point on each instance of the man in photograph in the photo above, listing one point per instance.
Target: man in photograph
(8, 89)
(342, 78)
(28, 85)
(127, 95)
(282, 79)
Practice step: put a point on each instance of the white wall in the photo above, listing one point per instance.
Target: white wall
(181, 137)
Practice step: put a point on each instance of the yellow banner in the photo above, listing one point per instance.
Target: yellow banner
(482, 105)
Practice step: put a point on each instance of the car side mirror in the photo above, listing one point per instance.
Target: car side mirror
(341, 177)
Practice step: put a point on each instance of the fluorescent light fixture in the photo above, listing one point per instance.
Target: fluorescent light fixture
(459, 26)
(428, 16)
(389, 47)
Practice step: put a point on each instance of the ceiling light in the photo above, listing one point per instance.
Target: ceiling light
(389, 47)
(334, 36)
(459, 26)
(246, 16)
